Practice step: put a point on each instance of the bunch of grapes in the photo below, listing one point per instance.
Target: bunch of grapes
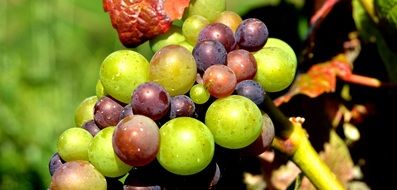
(160, 123)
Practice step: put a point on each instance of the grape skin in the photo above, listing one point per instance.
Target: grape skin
(208, 53)
(136, 140)
(252, 90)
(251, 34)
(220, 80)
(107, 112)
(152, 100)
(218, 32)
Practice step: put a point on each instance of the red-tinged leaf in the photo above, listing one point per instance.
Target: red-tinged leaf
(321, 78)
(175, 8)
(140, 20)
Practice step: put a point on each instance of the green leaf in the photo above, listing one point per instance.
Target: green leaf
(371, 32)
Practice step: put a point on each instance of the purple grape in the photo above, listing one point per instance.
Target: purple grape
(207, 53)
(181, 106)
(127, 110)
(252, 90)
(251, 34)
(218, 32)
(152, 100)
(91, 127)
(55, 163)
(107, 112)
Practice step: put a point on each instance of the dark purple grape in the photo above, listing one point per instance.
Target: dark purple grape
(145, 178)
(55, 163)
(107, 112)
(251, 34)
(218, 32)
(207, 53)
(152, 100)
(91, 127)
(127, 110)
(263, 142)
(243, 64)
(181, 106)
(252, 90)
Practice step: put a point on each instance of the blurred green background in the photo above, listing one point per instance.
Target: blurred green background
(50, 53)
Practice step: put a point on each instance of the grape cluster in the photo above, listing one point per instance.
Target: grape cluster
(159, 123)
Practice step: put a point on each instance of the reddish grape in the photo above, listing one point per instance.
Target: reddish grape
(243, 64)
(181, 106)
(107, 112)
(55, 163)
(152, 100)
(252, 90)
(219, 80)
(251, 34)
(136, 140)
(218, 32)
(91, 127)
(78, 174)
(207, 53)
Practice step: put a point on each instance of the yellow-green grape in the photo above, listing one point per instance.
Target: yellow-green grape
(235, 121)
(192, 26)
(121, 72)
(101, 154)
(99, 90)
(186, 146)
(199, 94)
(73, 144)
(209, 9)
(275, 68)
(85, 111)
(275, 42)
(174, 68)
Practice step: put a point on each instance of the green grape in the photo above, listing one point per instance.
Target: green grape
(199, 94)
(186, 146)
(276, 68)
(235, 121)
(101, 154)
(207, 8)
(85, 111)
(174, 68)
(172, 36)
(73, 144)
(275, 42)
(192, 26)
(99, 90)
(121, 72)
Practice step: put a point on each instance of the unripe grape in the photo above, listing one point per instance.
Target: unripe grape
(235, 121)
(276, 68)
(207, 8)
(73, 144)
(192, 26)
(121, 72)
(85, 111)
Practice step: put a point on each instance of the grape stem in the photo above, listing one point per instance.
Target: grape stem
(291, 139)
